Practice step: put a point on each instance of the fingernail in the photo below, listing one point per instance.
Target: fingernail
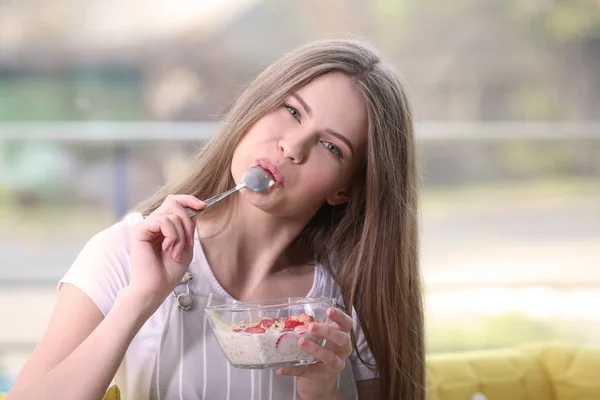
(329, 312)
(302, 341)
(311, 327)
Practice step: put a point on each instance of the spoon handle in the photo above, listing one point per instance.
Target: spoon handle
(215, 199)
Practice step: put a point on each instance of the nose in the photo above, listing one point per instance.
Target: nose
(294, 146)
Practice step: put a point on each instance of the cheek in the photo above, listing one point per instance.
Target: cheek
(249, 141)
(256, 133)
(264, 129)
(321, 181)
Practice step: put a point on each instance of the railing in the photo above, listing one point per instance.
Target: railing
(107, 131)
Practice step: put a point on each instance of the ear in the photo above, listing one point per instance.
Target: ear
(343, 196)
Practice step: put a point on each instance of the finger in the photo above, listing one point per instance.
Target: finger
(169, 231)
(343, 320)
(179, 245)
(334, 348)
(189, 223)
(336, 340)
(185, 200)
(321, 353)
(147, 230)
(318, 370)
(181, 205)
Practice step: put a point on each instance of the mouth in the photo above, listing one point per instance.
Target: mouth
(271, 170)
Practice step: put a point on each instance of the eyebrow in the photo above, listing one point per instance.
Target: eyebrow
(328, 130)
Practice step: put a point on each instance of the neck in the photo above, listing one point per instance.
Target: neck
(252, 245)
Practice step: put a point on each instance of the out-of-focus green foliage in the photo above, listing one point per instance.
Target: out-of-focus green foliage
(560, 20)
(496, 331)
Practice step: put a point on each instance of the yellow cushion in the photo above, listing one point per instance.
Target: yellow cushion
(499, 374)
(540, 372)
(113, 393)
(574, 370)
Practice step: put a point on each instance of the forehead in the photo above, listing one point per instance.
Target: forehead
(336, 104)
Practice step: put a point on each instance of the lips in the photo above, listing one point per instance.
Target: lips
(272, 169)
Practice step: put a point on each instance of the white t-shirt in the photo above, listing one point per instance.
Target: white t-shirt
(175, 354)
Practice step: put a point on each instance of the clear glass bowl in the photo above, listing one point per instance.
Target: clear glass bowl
(264, 334)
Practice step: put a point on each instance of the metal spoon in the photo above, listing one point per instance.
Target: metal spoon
(254, 178)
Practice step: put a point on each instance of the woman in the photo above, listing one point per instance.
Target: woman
(332, 125)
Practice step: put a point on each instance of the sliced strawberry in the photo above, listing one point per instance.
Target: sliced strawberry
(267, 322)
(305, 318)
(292, 323)
(300, 329)
(286, 337)
(255, 329)
(237, 330)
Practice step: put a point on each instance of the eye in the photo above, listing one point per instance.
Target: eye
(294, 112)
(332, 148)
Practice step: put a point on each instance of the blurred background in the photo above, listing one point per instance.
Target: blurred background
(102, 100)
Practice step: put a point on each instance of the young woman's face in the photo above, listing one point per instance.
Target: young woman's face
(312, 146)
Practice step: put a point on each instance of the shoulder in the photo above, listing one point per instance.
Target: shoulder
(118, 233)
(114, 239)
(112, 244)
(102, 267)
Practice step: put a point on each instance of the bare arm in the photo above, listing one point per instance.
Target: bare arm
(80, 351)
(368, 389)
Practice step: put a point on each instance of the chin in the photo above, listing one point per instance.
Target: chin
(266, 203)
(258, 199)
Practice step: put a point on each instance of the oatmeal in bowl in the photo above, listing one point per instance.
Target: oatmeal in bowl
(265, 334)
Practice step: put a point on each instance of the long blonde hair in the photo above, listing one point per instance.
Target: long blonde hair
(373, 240)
